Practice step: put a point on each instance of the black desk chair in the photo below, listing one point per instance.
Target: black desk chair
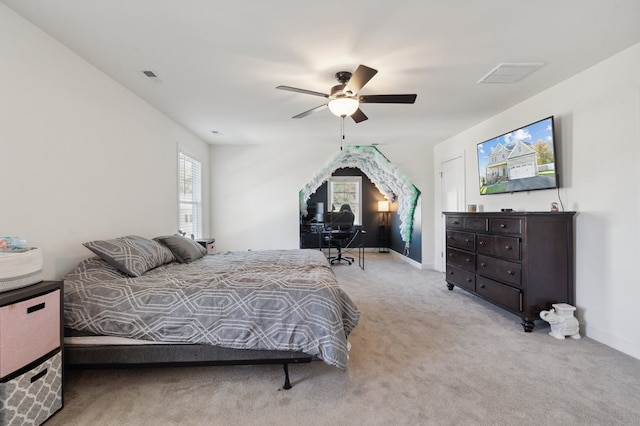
(341, 232)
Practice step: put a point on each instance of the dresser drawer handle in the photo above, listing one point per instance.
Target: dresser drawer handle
(455, 222)
(449, 237)
(503, 226)
(510, 272)
(466, 240)
(35, 308)
(468, 260)
(481, 285)
(484, 265)
(39, 375)
(450, 272)
(481, 242)
(450, 254)
(508, 247)
(469, 280)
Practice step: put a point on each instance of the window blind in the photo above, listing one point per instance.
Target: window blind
(346, 190)
(189, 195)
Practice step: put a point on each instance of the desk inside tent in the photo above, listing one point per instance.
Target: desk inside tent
(318, 237)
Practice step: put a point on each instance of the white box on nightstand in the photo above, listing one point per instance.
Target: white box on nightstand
(209, 244)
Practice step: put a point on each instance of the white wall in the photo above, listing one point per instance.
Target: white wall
(254, 191)
(254, 194)
(598, 128)
(81, 157)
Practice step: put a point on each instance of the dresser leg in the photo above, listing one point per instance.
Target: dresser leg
(450, 286)
(527, 325)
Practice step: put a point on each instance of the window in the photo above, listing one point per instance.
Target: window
(346, 190)
(189, 195)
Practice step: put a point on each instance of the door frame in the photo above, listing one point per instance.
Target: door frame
(439, 249)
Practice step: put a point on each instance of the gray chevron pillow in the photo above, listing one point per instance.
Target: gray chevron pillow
(132, 255)
(184, 249)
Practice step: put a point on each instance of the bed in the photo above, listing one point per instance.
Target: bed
(165, 301)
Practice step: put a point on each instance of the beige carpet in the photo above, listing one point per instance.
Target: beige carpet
(421, 355)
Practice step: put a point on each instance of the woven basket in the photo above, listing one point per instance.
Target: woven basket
(20, 269)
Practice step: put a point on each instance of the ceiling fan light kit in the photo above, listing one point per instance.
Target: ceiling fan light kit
(344, 100)
(343, 107)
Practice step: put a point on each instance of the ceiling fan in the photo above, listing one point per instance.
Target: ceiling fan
(344, 100)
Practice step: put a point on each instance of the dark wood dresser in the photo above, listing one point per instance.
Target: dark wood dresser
(520, 261)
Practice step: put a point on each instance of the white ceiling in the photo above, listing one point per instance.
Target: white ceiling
(219, 62)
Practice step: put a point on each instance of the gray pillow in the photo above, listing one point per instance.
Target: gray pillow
(184, 249)
(132, 255)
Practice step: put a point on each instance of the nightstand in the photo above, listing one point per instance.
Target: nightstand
(208, 243)
(31, 334)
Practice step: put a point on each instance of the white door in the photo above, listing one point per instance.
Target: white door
(453, 195)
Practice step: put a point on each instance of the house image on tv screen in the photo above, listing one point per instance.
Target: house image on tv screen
(516, 163)
(521, 160)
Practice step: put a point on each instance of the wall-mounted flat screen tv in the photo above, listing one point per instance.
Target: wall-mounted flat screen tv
(521, 160)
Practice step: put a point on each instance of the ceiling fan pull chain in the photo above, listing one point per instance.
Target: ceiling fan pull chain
(341, 132)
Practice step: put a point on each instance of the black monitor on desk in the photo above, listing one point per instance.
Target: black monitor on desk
(315, 214)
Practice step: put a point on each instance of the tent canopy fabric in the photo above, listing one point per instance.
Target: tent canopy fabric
(394, 185)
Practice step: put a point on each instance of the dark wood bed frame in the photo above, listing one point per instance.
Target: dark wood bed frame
(101, 356)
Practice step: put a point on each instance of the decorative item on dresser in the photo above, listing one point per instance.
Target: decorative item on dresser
(31, 336)
(520, 261)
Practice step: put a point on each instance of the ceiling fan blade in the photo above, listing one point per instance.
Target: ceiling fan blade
(388, 99)
(311, 111)
(359, 78)
(359, 116)
(307, 92)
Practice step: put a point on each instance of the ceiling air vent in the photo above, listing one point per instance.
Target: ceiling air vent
(509, 73)
(149, 74)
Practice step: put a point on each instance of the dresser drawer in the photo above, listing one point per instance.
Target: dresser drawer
(502, 294)
(496, 245)
(455, 222)
(502, 270)
(28, 330)
(461, 259)
(34, 396)
(463, 240)
(476, 224)
(505, 225)
(461, 278)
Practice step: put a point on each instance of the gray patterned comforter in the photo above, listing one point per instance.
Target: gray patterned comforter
(275, 300)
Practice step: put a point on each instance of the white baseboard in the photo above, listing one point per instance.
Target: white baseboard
(407, 259)
(623, 345)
